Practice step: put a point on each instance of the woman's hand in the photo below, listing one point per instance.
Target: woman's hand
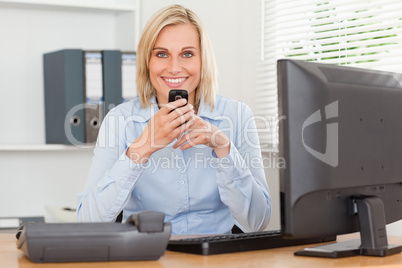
(169, 123)
(202, 132)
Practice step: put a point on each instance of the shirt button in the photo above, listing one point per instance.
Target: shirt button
(181, 182)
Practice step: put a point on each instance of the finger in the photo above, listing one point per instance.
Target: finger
(178, 112)
(177, 133)
(199, 139)
(186, 126)
(183, 139)
(182, 110)
(192, 134)
(168, 107)
(200, 123)
(182, 119)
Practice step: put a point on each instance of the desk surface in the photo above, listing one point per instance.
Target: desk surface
(11, 257)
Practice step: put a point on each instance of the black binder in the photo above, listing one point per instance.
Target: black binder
(64, 92)
(112, 79)
(81, 87)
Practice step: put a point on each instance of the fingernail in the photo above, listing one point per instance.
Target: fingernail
(191, 106)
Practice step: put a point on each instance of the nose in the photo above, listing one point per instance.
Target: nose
(174, 66)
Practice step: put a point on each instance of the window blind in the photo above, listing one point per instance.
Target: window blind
(358, 33)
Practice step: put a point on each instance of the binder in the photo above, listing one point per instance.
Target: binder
(93, 89)
(112, 79)
(129, 74)
(73, 96)
(64, 92)
(81, 87)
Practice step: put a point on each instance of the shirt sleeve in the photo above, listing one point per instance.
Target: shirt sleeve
(241, 178)
(112, 175)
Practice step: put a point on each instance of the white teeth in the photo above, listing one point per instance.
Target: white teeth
(175, 81)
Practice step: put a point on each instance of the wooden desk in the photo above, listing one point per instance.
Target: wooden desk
(11, 257)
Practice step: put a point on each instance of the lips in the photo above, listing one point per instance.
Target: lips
(174, 82)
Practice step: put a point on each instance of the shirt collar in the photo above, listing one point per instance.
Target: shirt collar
(143, 115)
(204, 111)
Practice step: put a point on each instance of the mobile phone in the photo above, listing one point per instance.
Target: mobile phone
(176, 94)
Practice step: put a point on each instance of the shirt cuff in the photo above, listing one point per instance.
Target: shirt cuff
(226, 167)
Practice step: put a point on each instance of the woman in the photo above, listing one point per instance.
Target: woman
(198, 162)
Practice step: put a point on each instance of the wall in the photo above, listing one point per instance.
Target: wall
(34, 182)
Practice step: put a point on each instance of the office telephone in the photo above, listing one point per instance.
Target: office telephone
(144, 236)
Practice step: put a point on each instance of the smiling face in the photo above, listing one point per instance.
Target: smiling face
(175, 61)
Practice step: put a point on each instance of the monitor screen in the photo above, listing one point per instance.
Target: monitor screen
(341, 138)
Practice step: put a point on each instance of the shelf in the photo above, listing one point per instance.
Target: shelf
(43, 147)
(85, 5)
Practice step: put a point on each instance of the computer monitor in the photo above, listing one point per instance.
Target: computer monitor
(341, 139)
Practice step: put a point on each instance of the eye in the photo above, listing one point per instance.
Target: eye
(161, 55)
(188, 54)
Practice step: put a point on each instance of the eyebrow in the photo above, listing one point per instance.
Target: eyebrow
(184, 48)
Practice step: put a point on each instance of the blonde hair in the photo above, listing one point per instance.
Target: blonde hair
(175, 15)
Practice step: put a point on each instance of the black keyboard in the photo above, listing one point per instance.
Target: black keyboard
(218, 244)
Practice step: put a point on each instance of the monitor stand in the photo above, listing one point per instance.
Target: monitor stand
(373, 235)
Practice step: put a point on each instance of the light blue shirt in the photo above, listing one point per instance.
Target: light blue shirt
(198, 192)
